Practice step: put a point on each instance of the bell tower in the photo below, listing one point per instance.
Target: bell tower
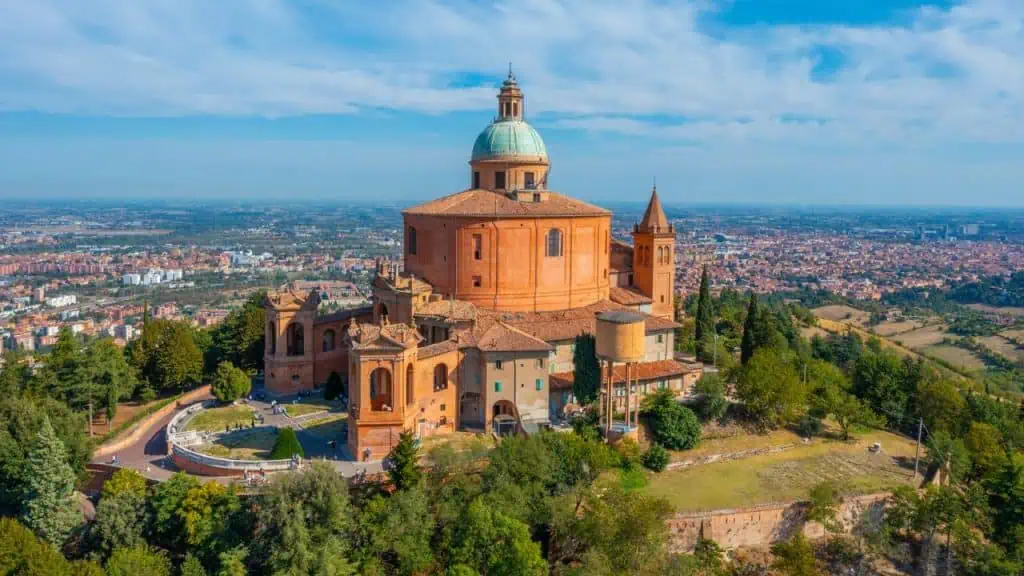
(654, 270)
(510, 99)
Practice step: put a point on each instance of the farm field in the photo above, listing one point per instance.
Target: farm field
(1004, 347)
(812, 331)
(893, 327)
(789, 475)
(242, 445)
(922, 337)
(219, 419)
(1015, 311)
(958, 357)
(1016, 334)
(838, 313)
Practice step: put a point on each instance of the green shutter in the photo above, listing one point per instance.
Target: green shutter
(540, 384)
(497, 386)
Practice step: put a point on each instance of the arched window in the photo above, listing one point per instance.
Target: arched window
(412, 240)
(296, 340)
(410, 386)
(440, 377)
(380, 390)
(553, 243)
(661, 254)
(273, 338)
(328, 340)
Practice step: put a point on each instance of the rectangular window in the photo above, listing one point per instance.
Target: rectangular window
(497, 364)
(476, 179)
(477, 281)
(499, 180)
(478, 247)
(536, 197)
(540, 384)
(540, 362)
(497, 386)
(528, 181)
(443, 407)
(661, 338)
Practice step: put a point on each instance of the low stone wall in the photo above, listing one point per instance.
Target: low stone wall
(205, 465)
(141, 428)
(763, 525)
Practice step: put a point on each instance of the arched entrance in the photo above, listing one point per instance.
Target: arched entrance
(296, 339)
(383, 313)
(380, 390)
(504, 418)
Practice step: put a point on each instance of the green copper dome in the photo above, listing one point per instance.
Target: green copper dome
(509, 138)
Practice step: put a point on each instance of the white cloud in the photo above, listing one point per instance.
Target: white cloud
(628, 66)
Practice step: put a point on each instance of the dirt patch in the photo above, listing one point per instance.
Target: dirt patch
(893, 327)
(923, 337)
(1007, 310)
(958, 357)
(1003, 347)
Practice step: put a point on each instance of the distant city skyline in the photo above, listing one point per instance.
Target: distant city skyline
(794, 102)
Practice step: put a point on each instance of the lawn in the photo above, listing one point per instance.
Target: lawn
(220, 419)
(956, 356)
(738, 443)
(893, 327)
(303, 408)
(840, 313)
(242, 445)
(330, 426)
(789, 475)
(457, 442)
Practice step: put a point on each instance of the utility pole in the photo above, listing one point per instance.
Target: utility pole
(90, 418)
(917, 451)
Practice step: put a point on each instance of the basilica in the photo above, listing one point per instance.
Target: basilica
(476, 329)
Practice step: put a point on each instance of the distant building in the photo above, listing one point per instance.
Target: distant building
(152, 277)
(62, 301)
(172, 275)
(39, 295)
(131, 279)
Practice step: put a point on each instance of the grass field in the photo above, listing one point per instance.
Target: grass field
(331, 426)
(789, 475)
(893, 327)
(1004, 347)
(219, 419)
(457, 442)
(1015, 311)
(923, 337)
(1017, 334)
(303, 408)
(839, 313)
(242, 445)
(738, 443)
(956, 356)
(812, 331)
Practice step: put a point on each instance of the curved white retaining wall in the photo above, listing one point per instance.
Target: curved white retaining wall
(199, 463)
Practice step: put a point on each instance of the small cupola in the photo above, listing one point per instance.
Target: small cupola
(510, 99)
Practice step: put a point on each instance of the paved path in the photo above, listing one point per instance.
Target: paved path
(150, 454)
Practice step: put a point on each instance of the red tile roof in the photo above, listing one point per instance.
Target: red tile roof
(645, 371)
(485, 203)
(628, 296)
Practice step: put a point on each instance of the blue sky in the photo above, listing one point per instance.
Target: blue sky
(777, 101)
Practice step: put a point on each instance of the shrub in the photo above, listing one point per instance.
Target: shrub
(629, 453)
(712, 404)
(656, 458)
(810, 426)
(287, 445)
(673, 425)
(229, 383)
(335, 387)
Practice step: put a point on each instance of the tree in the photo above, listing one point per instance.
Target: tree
(335, 387)
(302, 523)
(940, 404)
(178, 362)
(168, 497)
(393, 534)
(948, 454)
(748, 344)
(822, 506)
(712, 404)
(229, 383)
(586, 374)
(656, 458)
(984, 444)
(878, 379)
(124, 481)
(831, 397)
(137, 561)
(22, 553)
(705, 318)
(239, 339)
(192, 567)
(287, 446)
(795, 557)
(770, 390)
(404, 467)
(1005, 491)
(207, 514)
(49, 508)
(232, 562)
(495, 544)
(674, 426)
(121, 521)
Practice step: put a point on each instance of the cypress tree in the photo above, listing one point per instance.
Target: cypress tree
(586, 372)
(748, 344)
(705, 319)
(405, 462)
(49, 508)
